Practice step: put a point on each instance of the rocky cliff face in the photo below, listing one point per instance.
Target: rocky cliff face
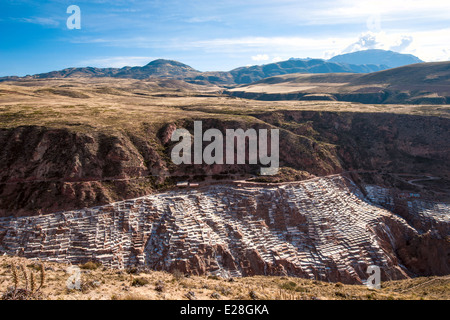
(375, 141)
(377, 96)
(320, 229)
(47, 170)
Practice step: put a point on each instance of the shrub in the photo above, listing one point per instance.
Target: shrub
(340, 294)
(29, 291)
(290, 285)
(215, 295)
(371, 296)
(253, 295)
(90, 265)
(139, 282)
(159, 287)
(178, 275)
(190, 295)
(132, 271)
(224, 291)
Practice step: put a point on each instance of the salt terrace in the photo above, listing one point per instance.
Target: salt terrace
(322, 229)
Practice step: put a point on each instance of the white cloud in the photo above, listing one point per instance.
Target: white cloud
(427, 45)
(40, 21)
(277, 59)
(260, 57)
(350, 11)
(328, 54)
(403, 43)
(117, 62)
(285, 46)
(431, 46)
(380, 40)
(203, 19)
(366, 40)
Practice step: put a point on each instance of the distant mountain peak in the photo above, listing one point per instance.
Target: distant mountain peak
(171, 63)
(389, 58)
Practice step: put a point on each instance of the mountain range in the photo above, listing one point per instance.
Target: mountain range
(360, 62)
(421, 83)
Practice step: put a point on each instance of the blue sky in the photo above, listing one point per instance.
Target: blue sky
(214, 35)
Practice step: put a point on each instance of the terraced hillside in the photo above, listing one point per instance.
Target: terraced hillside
(320, 229)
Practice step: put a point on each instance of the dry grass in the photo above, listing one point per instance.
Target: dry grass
(111, 104)
(103, 284)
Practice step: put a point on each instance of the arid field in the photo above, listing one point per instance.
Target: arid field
(100, 284)
(126, 103)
